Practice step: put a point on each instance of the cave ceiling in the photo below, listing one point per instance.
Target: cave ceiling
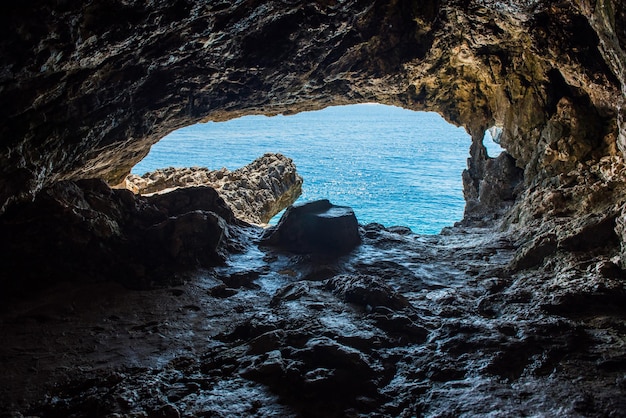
(86, 88)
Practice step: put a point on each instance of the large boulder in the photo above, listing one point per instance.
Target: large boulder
(315, 227)
(85, 231)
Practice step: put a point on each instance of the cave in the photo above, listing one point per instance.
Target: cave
(119, 304)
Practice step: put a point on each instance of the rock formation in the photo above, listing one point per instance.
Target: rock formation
(255, 192)
(86, 89)
(524, 315)
(315, 227)
(85, 232)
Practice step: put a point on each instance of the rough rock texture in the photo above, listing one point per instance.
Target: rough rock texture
(573, 212)
(85, 232)
(407, 326)
(521, 318)
(87, 88)
(315, 227)
(491, 187)
(255, 192)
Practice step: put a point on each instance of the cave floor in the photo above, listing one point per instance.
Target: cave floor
(405, 325)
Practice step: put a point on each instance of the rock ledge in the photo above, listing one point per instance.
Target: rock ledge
(255, 192)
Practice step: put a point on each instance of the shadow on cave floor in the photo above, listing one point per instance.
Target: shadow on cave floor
(405, 325)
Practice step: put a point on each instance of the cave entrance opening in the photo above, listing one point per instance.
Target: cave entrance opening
(391, 165)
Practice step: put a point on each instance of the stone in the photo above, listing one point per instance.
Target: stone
(189, 239)
(98, 104)
(202, 198)
(374, 344)
(292, 291)
(500, 183)
(315, 227)
(91, 232)
(221, 291)
(401, 325)
(366, 291)
(590, 232)
(255, 193)
(264, 343)
(87, 105)
(241, 279)
(327, 352)
(533, 253)
(620, 230)
(166, 411)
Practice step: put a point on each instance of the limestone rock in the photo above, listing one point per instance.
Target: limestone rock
(315, 227)
(255, 193)
(577, 211)
(534, 252)
(620, 230)
(189, 199)
(493, 191)
(87, 87)
(374, 340)
(86, 91)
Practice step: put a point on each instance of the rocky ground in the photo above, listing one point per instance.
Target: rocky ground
(405, 325)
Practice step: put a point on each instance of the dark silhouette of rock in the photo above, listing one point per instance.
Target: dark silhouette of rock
(491, 187)
(255, 193)
(189, 199)
(85, 231)
(315, 227)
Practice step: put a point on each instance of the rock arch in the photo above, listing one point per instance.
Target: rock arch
(88, 88)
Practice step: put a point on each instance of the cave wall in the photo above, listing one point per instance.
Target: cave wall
(87, 87)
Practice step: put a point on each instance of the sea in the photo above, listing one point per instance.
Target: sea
(391, 165)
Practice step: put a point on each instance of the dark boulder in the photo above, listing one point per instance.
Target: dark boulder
(189, 199)
(315, 227)
(85, 231)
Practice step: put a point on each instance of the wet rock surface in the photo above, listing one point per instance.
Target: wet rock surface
(255, 193)
(407, 325)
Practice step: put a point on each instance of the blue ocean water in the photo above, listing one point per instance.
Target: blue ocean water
(391, 165)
